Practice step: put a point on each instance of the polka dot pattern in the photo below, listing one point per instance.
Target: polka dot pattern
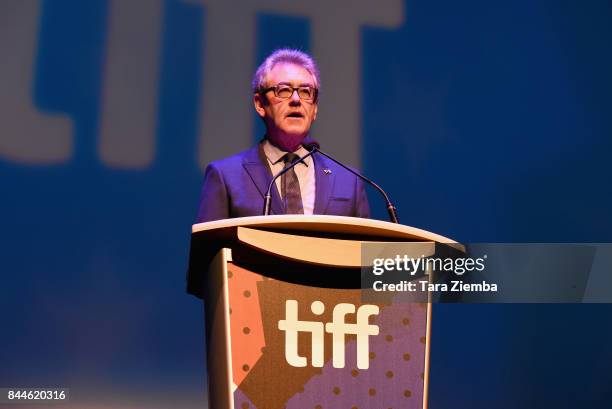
(242, 401)
(394, 378)
(246, 325)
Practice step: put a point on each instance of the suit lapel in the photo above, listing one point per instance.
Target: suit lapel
(255, 164)
(324, 184)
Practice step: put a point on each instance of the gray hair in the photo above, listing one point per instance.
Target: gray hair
(285, 55)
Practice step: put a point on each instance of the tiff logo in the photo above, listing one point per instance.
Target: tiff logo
(131, 78)
(291, 325)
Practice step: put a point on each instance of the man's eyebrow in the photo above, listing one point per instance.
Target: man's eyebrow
(304, 84)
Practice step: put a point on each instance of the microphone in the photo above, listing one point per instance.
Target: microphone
(313, 146)
(309, 144)
(268, 197)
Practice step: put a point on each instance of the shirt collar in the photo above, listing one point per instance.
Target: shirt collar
(275, 155)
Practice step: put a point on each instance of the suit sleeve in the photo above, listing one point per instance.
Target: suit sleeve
(214, 199)
(362, 207)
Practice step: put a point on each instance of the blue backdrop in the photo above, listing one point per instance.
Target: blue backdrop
(485, 121)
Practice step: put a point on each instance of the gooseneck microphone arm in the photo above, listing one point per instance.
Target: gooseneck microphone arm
(390, 208)
(268, 196)
(312, 146)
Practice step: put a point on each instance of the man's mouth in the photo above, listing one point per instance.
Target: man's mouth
(295, 115)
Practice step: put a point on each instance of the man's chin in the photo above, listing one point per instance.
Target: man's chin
(289, 142)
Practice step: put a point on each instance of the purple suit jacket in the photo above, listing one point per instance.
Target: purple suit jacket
(236, 186)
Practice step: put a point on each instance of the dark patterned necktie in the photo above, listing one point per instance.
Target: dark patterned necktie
(291, 187)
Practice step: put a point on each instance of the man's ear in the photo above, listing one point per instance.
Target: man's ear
(259, 102)
(314, 116)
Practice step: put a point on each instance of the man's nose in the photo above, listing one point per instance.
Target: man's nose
(295, 98)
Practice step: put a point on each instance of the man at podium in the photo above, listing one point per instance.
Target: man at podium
(285, 96)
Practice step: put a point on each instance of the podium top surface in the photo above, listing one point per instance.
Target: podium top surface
(321, 240)
(323, 224)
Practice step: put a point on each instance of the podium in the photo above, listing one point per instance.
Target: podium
(286, 323)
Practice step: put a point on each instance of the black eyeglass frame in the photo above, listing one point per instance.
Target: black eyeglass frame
(275, 88)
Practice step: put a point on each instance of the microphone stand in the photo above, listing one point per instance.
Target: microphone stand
(392, 210)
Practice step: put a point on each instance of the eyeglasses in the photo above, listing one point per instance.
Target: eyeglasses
(285, 91)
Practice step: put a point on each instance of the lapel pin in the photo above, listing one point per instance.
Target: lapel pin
(327, 171)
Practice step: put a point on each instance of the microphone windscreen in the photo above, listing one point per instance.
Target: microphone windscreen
(310, 143)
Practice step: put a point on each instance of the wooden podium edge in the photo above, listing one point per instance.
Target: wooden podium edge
(340, 224)
(219, 357)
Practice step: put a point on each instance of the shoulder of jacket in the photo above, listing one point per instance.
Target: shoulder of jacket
(234, 160)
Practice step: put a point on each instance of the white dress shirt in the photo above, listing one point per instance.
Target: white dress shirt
(305, 173)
